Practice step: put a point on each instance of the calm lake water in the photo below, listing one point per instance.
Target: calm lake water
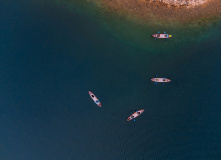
(51, 55)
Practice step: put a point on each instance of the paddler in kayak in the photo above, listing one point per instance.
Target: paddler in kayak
(160, 80)
(95, 99)
(164, 36)
(135, 114)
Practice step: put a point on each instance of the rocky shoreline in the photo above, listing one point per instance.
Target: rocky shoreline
(181, 3)
(171, 10)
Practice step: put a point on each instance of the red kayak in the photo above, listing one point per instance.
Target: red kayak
(135, 114)
(161, 36)
(160, 80)
(95, 99)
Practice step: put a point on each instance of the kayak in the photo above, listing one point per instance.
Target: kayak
(95, 99)
(161, 36)
(135, 114)
(160, 80)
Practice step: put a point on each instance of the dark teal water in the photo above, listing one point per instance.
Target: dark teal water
(51, 57)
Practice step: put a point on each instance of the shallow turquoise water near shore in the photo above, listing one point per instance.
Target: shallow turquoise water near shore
(51, 56)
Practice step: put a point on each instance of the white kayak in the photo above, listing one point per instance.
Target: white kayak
(160, 80)
(162, 36)
(95, 99)
(135, 114)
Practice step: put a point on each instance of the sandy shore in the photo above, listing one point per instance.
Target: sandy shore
(167, 10)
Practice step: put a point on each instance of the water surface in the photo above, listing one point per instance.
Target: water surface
(52, 55)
